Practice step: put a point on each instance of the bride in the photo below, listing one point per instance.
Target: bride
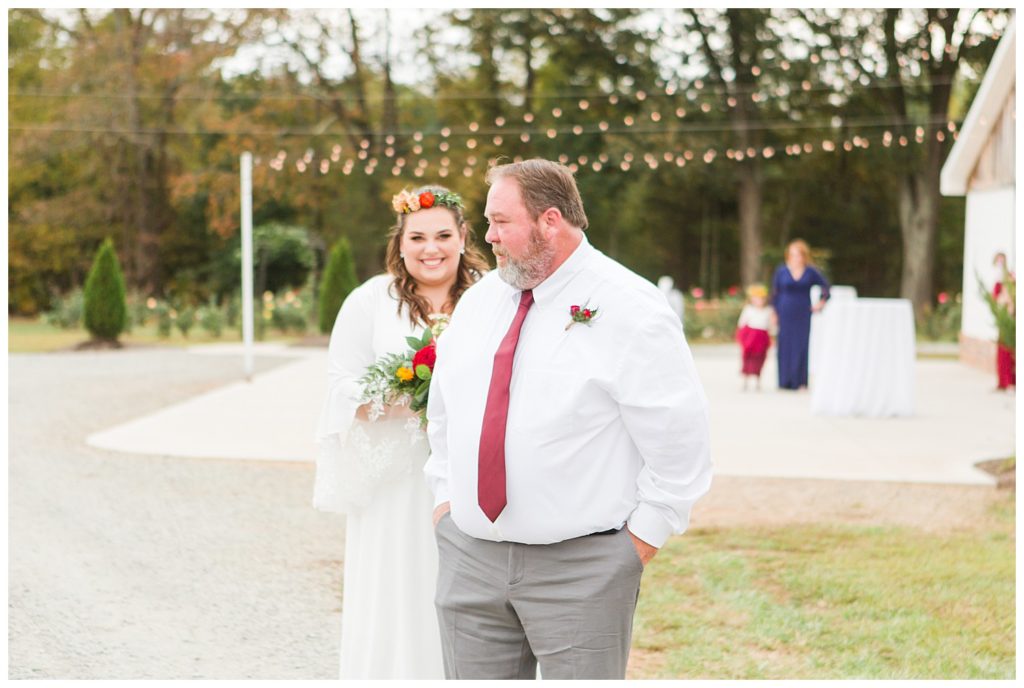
(370, 464)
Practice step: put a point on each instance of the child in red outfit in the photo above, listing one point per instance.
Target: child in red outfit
(753, 332)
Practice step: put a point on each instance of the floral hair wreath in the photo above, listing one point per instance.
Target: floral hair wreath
(408, 202)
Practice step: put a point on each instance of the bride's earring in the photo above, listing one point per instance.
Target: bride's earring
(462, 251)
(402, 256)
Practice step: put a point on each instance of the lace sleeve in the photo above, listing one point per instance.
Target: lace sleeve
(349, 354)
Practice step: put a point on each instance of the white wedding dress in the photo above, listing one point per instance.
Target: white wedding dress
(372, 472)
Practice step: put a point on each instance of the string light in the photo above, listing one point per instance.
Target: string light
(584, 163)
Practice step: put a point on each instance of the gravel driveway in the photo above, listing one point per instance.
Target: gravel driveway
(124, 566)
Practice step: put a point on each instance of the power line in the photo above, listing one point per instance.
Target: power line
(657, 92)
(577, 130)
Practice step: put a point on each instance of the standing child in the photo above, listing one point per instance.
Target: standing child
(752, 333)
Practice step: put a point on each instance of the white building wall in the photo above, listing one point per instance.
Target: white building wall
(989, 230)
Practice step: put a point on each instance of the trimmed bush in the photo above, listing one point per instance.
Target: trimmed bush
(211, 319)
(67, 311)
(106, 309)
(338, 282)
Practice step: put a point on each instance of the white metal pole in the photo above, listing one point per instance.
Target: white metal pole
(247, 314)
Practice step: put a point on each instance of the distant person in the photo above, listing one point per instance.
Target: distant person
(370, 467)
(791, 297)
(674, 297)
(753, 333)
(1006, 362)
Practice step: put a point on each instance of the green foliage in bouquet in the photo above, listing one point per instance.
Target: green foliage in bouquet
(1004, 313)
(338, 282)
(397, 377)
(106, 308)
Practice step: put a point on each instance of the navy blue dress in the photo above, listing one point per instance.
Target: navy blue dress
(792, 301)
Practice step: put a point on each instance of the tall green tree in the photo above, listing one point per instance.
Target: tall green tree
(106, 307)
(338, 282)
(912, 59)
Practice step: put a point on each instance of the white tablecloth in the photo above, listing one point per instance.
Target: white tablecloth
(864, 362)
(837, 292)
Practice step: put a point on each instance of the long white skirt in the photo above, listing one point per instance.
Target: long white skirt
(389, 625)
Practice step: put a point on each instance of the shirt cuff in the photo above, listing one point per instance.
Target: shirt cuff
(441, 494)
(649, 525)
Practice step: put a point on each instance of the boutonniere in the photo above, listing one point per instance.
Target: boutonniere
(581, 314)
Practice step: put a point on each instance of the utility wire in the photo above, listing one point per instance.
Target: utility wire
(539, 132)
(657, 92)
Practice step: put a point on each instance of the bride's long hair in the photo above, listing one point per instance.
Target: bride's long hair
(472, 266)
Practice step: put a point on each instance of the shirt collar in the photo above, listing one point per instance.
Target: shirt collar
(546, 292)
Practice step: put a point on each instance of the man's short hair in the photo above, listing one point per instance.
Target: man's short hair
(544, 184)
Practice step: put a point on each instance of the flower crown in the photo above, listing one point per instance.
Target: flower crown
(408, 202)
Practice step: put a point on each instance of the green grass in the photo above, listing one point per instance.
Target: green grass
(36, 336)
(830, 602)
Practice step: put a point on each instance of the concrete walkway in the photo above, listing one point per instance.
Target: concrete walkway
(960, 420)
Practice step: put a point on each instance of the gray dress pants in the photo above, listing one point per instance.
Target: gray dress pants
(504, 606)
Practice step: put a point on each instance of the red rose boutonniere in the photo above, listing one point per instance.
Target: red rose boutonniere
(581, 314)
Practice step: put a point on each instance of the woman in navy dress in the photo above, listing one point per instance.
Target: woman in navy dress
(791, 297)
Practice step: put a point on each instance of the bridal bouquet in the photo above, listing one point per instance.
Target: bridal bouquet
(403, 378)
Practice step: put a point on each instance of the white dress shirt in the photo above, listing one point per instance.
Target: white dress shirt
(756, 318)
(607, 421)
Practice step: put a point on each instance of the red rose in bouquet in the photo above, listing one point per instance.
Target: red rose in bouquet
(426, 356)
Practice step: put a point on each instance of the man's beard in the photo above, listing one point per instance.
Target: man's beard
(532, 269)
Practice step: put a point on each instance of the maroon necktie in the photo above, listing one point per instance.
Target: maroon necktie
(491, 468)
